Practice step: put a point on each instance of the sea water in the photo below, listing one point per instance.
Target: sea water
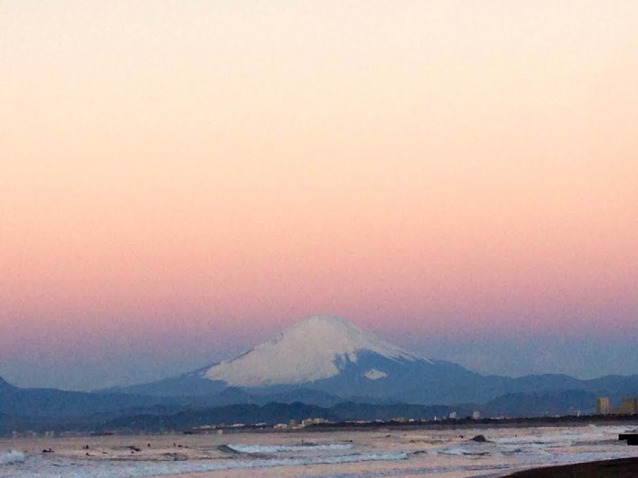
(444, 453)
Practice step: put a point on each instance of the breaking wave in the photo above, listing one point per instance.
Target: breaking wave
(326, 460)
(72, 469)
(270, 449)
(11, 458)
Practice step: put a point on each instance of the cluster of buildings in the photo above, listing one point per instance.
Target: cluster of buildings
(298, 425)
(628, 406)
(476, 415)
(295, 425)
(291, 425)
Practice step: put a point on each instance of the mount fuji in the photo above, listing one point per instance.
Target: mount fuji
(317, 348)
(324, 360)
(321, 362)
(327, 355)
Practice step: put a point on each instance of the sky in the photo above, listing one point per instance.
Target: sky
(179, 180)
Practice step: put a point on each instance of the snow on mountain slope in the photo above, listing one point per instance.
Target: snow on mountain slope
(374, 374)
(309, 350)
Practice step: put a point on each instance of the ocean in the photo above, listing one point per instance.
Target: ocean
(348, 454)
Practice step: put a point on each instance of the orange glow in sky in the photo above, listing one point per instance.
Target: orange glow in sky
(417, 166)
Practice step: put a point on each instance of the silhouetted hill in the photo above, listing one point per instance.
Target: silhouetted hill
(547, 403)
(271, 413)
(5, 386)
(325, 360)
(397, 394)
(58, 404)
(361, 411)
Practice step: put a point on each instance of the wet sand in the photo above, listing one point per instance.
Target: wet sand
(622, 468)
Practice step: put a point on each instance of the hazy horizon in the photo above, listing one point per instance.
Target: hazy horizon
(491, 355)
(179, 181)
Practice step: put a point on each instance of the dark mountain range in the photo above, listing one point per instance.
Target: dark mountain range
(548, 403)
(323, 360)
(327, 355)
(63, 405)
(273, 413)
(320, 362)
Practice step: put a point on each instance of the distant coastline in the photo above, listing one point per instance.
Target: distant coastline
(560, 421)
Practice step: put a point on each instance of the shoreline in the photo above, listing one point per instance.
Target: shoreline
(630, 421)
(401, 451)
(465, 423)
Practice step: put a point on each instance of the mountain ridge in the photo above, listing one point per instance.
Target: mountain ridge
(354, 363)
(368, 371)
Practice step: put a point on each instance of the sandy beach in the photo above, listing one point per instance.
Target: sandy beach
(623, 468)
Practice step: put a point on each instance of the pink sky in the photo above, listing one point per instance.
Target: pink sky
(221, 169)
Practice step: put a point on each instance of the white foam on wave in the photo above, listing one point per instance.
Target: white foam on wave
(271, 449)
(74, 469)
(464, 451)
(562, 437)
(11, 458)
(538, 448)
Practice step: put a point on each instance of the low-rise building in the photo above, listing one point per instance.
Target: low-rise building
(313, 421)
(629, 406)
(602, 406)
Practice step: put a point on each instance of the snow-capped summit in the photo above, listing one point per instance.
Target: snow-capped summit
(325, 360)
(323, 356)
(312, 349)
